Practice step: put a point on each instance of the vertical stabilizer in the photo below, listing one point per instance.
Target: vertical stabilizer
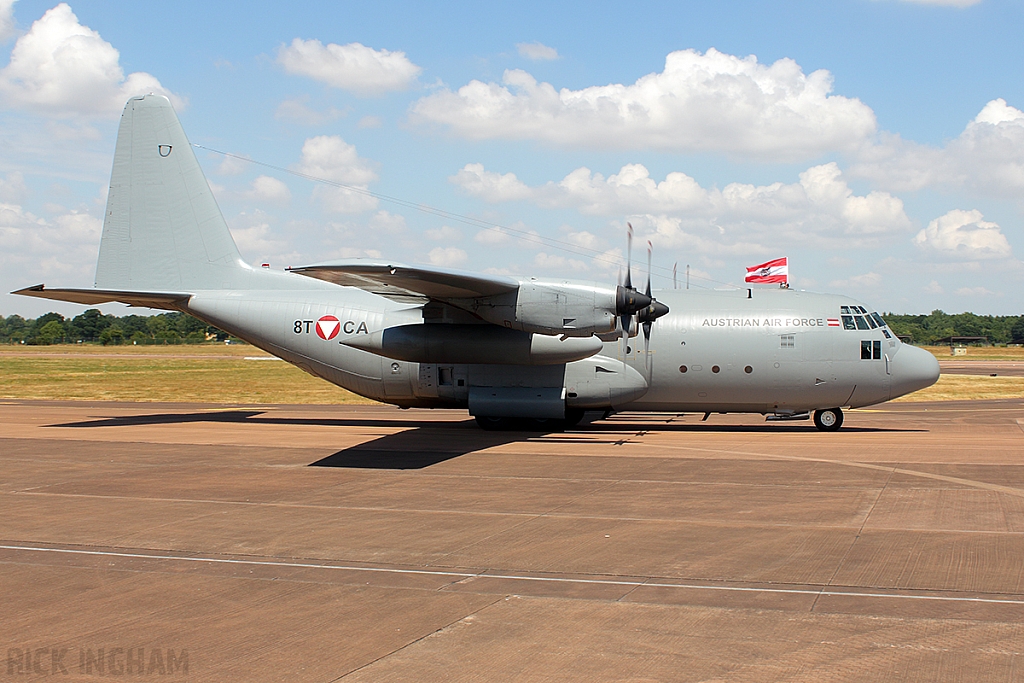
(162, 230)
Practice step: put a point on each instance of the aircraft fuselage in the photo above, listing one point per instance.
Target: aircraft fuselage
(760, 350)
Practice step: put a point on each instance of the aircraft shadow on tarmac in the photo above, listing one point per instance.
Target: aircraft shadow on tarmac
(423, 443)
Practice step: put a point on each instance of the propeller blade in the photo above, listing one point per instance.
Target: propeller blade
(675, 284)
(650, 248)
(647, 348)
(629, 255)
(624, 322)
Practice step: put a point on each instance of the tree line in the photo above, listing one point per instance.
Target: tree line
(92, 326)
(927, 329)
(179, 328)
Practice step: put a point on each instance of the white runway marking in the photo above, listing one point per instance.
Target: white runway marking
(519, 577)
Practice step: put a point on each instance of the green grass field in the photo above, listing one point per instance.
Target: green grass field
(218, 373)
(202, 373)
(979, 353)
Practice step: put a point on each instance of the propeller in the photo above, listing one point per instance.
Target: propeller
(632, 305)
(647, 322)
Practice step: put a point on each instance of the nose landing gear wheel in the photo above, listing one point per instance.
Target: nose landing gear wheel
(828, 419)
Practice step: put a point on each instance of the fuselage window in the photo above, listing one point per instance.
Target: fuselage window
(788, 341)
(862, 324)
(886, 333)
(870, 350)
(848, 322)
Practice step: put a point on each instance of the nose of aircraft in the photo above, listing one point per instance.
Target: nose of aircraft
(912, 369)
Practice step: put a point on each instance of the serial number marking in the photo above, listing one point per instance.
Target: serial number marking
(348, 327)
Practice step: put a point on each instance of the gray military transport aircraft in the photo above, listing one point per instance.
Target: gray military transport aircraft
(514, 351)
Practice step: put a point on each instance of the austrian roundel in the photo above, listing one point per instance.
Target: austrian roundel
(328, 327)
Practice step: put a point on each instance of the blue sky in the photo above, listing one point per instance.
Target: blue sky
(877, 143)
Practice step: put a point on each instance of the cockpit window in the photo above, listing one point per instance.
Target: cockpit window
(856, 317)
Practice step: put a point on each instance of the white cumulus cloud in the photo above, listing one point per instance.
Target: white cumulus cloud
(974, 291)
(268, 189)
(34, 247)
(6, 20)
(65, 69)
(490, 186)
(232, 165)
(445, 233)
(821, 205)
(964, 235)
(869, 281)
(987, 157)
(447, 256)
(353, 67)
(331, 158)
(699, 102)
(257, 240)
(536, 51)
(12, 187)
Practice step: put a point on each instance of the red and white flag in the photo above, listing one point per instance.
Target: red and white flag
(772, 271)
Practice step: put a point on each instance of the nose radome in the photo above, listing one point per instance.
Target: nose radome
(913, 369)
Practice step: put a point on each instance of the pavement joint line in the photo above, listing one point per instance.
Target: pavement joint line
(417, 640)
(856, 537)
(520, 577)
(1009, 490)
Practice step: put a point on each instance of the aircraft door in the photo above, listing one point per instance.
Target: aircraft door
(818, 372)
(398, 378)
(874, 373)
(803, 372)
(452, 382)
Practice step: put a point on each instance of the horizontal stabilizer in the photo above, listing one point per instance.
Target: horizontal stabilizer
(399, 280)
(168, 301)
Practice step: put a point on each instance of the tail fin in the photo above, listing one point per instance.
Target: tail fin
(162, 230)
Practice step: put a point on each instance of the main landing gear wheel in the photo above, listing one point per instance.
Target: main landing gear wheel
(493, 423)
(828, 419)
(573, 416)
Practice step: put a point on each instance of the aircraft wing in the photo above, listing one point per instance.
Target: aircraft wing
(400, 281)
(169, 301)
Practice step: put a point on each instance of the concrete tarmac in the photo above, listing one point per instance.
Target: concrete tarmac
(364, 543)
(992, 368)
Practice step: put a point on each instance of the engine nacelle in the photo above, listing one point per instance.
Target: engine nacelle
(551, 307)
(473, 344)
